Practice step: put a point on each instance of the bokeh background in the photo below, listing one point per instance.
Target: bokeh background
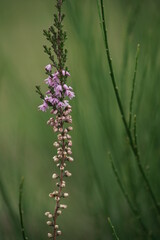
(26, 141)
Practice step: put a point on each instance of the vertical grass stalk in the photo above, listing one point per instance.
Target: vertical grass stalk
(133, 87)
(133, 147)
(20, 209)
(113, 229)
(134, 210)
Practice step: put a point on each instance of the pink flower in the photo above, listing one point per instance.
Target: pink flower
(60, 105)
(66, 87)
(48, 68)
(48, 99)
(66, 103)
(69, 94)
(49, 81)
(55, 77)
(48, 92)
(54, 101)
(58, 88)
(65, 73)
(43, 107)
(55, 74)
(51, 99)
(58, 91)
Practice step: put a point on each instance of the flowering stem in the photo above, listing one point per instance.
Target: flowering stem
(133, 147)
(60, 110)
(60, 189)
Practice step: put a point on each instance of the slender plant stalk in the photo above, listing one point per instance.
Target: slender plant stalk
(133, 87)
(55, 98)
(135, 131)
(113, 229)
(133, 147)
(7, 201)
(20, 209)
(134, 210)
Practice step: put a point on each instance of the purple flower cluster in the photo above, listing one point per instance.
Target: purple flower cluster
(57, 91)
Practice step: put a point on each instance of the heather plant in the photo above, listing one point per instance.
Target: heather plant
(57, 99)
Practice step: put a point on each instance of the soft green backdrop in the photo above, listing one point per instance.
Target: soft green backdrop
(26, 141)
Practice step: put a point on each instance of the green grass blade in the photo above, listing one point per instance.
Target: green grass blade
(20, 209)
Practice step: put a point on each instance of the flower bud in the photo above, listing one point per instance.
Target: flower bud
(68, 136)
(59, 149)
(59, 212)
(61, 129)
(56, 144)
(49, 223)
(47, 213)
(57, 198)
(65, 195)
(61, 167)
(59, 137)
(70, 159)
(63, 206)
(55, 129)
(60, 156)
(50, 235)
(67, 173)
(64, 152)
(69, 143)
(63, 184)
(70, 128)
(65, 130)
(56, 159)
(53, 194)
(59, 233)
(69, 152)
(48, 68)
(59, 152)
(54, 176)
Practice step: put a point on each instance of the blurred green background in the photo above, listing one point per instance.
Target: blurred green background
(26, 141)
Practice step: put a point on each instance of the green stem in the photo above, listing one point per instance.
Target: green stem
(20, 209)
(128, 200)
(133, 87)
(6, 199)
(135, 131)
(113, 229)
(133, 147)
